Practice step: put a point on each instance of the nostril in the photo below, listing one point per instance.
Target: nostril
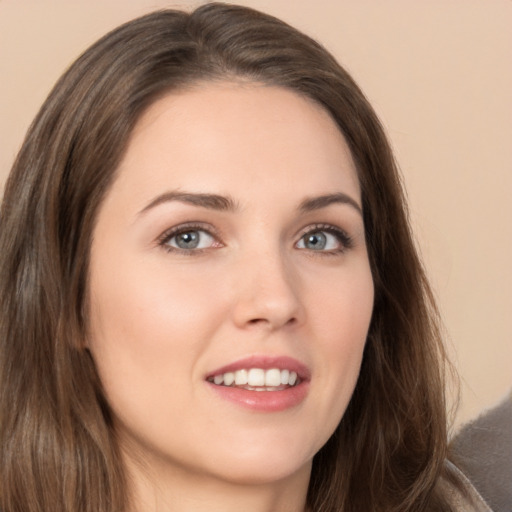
(256, 321)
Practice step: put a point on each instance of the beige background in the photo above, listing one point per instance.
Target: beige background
(439, 74)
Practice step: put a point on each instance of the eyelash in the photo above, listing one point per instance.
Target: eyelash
(346, 242)
(344, 239)
(163, 240)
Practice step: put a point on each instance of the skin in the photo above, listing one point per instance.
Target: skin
(162, 318)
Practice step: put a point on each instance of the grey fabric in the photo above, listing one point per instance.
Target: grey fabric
(467, 499)
(483, 451)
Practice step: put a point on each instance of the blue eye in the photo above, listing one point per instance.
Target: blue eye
(189, 239)
(325, 239)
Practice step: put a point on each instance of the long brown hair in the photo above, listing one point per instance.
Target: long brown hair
(58, 447)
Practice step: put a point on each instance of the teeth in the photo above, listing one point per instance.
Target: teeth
(273, 377)
(241, 377)
(257, 378)
(228, 378)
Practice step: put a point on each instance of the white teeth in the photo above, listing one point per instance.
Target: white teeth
(272, 377)
(229, 378)
(241, 377)
(257, 378)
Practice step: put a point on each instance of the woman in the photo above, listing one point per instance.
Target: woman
(210, 295)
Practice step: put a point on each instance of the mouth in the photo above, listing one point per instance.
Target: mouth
(264, 384)
(257, 379)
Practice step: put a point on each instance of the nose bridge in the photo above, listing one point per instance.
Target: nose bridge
(268, 289)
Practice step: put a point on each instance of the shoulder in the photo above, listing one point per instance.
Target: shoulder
(463, 498)
(483, 451)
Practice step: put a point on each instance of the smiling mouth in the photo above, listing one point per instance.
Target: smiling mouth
(257, 379)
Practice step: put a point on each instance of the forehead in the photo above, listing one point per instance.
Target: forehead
(228, 135)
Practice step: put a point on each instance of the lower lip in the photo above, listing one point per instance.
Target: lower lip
(264, 401)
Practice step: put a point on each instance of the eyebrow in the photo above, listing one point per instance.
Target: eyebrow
(210, 201)
(319, 202)
(226, 203)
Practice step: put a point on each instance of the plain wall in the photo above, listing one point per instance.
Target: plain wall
(438, 73)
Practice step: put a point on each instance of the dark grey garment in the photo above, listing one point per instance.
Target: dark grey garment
(465, 499)
(483, 451)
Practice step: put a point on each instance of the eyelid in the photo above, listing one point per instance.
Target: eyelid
(345, 240)
(168, 234)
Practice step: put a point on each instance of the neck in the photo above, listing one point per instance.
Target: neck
(179, 490)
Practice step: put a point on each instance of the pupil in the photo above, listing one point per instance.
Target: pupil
(316, 241)
(188, 240)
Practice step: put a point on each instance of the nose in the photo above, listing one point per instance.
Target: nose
(267, 294)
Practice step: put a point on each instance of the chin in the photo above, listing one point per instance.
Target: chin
(258, 472)
(259, 461)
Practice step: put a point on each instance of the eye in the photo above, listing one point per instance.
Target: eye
(326, 239)
(188, 238)
(195, 239)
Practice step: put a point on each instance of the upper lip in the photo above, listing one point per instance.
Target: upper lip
(265, 363)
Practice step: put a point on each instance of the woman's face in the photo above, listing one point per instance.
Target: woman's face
(230, 247)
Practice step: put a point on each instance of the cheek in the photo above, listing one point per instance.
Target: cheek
(343, 317)
(147, 303)
(147, 329)
(342, 308)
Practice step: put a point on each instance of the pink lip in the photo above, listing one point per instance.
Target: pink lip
(264, 401)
